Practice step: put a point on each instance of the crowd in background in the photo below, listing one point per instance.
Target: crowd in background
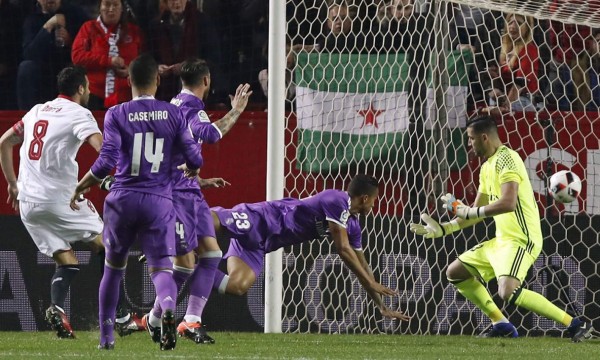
(520, 63)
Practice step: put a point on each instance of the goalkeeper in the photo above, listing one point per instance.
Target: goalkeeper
(505, 194)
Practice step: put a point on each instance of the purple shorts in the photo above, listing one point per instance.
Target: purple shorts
(186, 207)
(131, 215)
(254, 258)
(247, 230)
(204, 221)
(194, 221)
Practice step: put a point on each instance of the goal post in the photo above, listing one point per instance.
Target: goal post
(385, 88)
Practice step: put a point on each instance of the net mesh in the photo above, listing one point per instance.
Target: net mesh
(385, 88)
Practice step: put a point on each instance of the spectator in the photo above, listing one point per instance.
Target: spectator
(183, 32)
(47, 39)
(478, 29)
(594, 51)
(516, 80)
(10, 35)
(570, 44)
(338, 36)
(399, 28)
(105, 47)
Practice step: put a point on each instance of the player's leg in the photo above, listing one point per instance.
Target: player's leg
(510, 289)
(118, 236)
(67, 267)
(239, 278)
(200, 286)
(50, 228)
(157, 238)
(185, 206)
(125, 321)
(466, 274)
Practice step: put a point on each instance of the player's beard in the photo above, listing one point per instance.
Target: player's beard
(85, 100)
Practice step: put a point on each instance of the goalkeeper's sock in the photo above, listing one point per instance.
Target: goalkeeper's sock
(473, 290)
(538, 304)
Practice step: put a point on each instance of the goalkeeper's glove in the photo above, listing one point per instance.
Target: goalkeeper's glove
(432, 229)
(456, 207)
(107, 183)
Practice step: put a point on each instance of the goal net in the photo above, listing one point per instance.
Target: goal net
(385, 88)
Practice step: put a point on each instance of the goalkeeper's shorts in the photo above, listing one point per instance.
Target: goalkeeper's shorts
(493, 259)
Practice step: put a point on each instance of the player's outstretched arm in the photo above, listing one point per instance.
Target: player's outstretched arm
(432, 228)
(8, 140)
(385, 311)
(348, 255)
(212, 183)
(239, 101)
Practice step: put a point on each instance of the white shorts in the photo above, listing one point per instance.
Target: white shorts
(54, 227)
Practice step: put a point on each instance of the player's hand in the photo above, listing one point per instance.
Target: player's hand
(240, 99)
(394, 314)
(189, 173)
(164, 69)
(430, 230)
(13, 193)
(380, 289)
(455, 206)
(77, 197)
(106, 183)
(212, 183)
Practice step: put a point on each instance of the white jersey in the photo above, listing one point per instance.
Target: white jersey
(52, 134)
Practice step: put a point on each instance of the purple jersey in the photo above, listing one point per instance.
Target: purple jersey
(271, 225)
(140, 137)
(202, 129)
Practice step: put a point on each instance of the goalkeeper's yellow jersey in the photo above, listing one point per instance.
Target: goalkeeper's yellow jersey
(523, 224)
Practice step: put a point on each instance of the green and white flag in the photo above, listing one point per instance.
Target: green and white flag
(455, 106)
(351, 109)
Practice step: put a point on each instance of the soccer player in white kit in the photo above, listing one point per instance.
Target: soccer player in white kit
(51, 134)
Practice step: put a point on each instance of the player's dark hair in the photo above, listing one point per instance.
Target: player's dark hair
(363, 185)
(69, 79)
(193, 71)
(483, 124)
(143, 70)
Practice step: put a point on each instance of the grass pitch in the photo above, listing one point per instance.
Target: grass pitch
(28, 345)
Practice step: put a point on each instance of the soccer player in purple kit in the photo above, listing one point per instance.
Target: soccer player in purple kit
(257, 229)
(140, 137)
(195, 234)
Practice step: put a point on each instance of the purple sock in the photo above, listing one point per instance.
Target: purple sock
(180, 275)
(219, 275)
(201, 284)
(108, 297)
(166, 290)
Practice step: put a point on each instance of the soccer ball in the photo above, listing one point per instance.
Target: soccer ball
(565, 186)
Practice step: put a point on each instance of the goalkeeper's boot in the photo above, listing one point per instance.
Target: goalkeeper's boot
(580, 330)
(168, 331)
(56, 317)
(194, 331)
(153, 331)
(506, 330)
(134, 323)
